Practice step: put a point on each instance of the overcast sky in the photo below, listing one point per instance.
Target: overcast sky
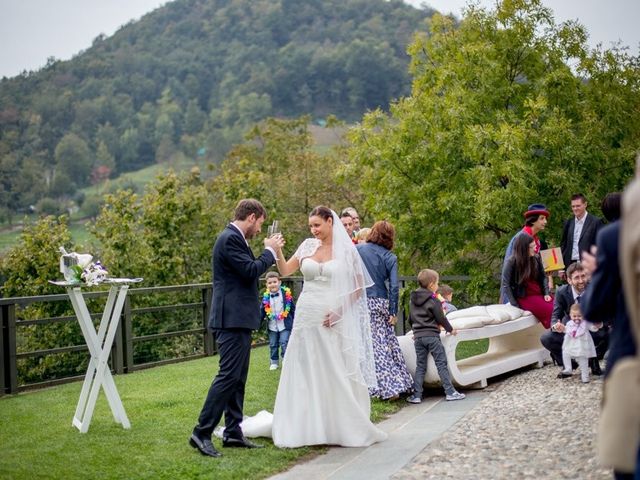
(33, 30)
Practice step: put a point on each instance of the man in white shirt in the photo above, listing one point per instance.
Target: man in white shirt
(579, 232)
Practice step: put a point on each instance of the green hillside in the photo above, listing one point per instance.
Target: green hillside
(186, 80)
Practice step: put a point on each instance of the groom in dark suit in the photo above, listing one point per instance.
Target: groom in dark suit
(235, 312)
(579, 232)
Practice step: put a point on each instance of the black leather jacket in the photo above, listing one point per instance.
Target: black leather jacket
(510, 278)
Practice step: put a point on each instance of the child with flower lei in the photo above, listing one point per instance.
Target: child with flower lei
(278, 311)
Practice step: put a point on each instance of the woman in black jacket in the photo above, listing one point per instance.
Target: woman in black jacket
(524, 280)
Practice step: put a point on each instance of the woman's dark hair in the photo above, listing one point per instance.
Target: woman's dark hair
(531, 219)
(382, 233)
(525, 263)
(322, 212)
(611, 206)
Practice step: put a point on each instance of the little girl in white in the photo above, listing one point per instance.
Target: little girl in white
(577, 344)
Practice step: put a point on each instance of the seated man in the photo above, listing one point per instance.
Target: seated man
(566, 296)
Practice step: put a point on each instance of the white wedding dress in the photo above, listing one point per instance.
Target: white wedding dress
(317, 401)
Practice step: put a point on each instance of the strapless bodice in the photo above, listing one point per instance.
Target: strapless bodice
(313, 270)
(316, 298)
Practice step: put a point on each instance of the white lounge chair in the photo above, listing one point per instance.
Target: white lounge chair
(514, 342)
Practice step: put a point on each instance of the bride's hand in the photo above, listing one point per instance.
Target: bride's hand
(275, 241)
(330, 319)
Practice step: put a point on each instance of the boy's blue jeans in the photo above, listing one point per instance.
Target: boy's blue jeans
(423, 346)
(278, 339)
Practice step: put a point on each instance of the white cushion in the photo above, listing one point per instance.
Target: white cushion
(477, 311)
(469, 322)
(508, 312)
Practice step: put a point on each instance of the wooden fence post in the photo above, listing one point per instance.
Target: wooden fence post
(209, 344)
(127, 336)
(9, 367)
(3, 382)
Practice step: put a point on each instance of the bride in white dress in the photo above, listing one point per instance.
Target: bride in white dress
(323, 397)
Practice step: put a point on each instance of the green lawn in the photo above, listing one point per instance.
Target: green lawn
(162, 403)
(8, 238)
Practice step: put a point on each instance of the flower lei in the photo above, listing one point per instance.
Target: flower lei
(438, 297)
(288, 301)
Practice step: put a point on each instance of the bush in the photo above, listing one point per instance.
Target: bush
(49, 206)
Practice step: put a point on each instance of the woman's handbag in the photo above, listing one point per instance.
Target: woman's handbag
(619, 428)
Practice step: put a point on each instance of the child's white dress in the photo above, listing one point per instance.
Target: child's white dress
(577, 340)
(577, 344)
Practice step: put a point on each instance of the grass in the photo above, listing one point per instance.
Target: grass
(8, 238)
(162, 403)
(79, 233)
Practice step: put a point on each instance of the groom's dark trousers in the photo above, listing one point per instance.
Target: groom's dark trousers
(226, 394)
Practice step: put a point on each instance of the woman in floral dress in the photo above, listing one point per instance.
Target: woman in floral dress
(391, 369)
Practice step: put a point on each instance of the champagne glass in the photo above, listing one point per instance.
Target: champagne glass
(273, 229)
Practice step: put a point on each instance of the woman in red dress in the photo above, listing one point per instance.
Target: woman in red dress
(524, 280)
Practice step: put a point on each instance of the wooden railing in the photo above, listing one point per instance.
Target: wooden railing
(191, 302)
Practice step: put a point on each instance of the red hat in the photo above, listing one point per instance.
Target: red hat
(537, 209)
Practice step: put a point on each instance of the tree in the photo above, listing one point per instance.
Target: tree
(104, 157)
(497, 119)
(27, 269)
(277, 164)
(73, 158)
(28, 266)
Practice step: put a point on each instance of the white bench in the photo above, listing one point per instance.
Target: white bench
(513, 344)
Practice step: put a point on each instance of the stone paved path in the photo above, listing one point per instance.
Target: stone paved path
(532, 426)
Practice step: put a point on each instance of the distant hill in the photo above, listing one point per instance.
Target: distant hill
(188, 79)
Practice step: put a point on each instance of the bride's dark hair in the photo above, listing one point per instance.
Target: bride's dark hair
(322, 212)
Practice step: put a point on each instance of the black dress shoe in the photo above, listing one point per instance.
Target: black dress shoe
(595, 367)
(205, 447)
(243, 442)
(564, 375)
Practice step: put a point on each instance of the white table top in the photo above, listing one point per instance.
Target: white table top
(108, 281)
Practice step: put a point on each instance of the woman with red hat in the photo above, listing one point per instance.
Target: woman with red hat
(535, 220)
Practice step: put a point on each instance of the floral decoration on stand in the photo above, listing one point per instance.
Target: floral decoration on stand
(288, 301)
(78, 268)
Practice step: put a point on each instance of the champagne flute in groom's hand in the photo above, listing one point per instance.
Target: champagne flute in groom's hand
(273, 229)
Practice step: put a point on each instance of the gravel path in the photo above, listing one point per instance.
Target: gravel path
(532, 426)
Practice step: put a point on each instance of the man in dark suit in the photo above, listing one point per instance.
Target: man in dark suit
(566, 296)
(579, 232)
(604, 298)
(235, 312)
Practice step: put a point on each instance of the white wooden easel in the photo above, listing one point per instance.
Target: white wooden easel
(99, 344)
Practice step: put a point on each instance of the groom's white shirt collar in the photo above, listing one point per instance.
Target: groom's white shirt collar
(240, 230)
(273, 252)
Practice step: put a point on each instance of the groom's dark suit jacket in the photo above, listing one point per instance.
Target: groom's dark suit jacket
(236, 271)
(587, 238)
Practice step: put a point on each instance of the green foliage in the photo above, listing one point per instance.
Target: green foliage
(193, 76)
(28, 267)
(497, 120)
(117, 228)
(166, 234)
(278, 165)
(73, 158)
